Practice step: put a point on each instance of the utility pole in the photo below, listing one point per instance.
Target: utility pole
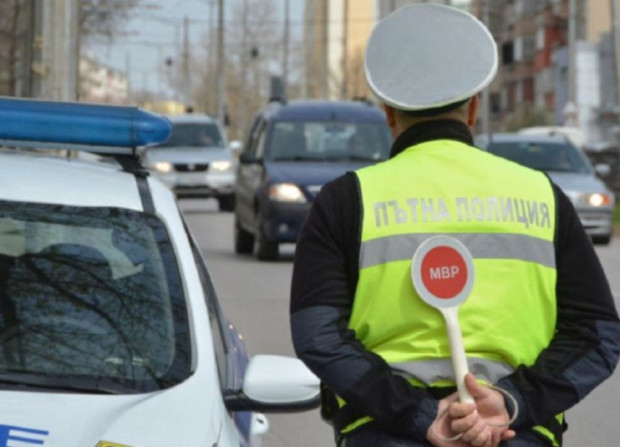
(187, 95)
(325, 47)
(211, 63)
(60, 50)
(220, 62)
(615, 27)
(29, 56)
(128, 76)
(485, 112)
(345, 53)
(285, 55)
(570, 110)
(244, 69)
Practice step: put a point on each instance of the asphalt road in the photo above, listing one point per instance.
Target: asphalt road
(255, 297)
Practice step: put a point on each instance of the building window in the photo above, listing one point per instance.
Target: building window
(508, 53)
(540, 38)
(518, 49)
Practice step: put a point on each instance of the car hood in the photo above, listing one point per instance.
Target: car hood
(309, 173)
(187, 154)
(578, 182)
(171, 417)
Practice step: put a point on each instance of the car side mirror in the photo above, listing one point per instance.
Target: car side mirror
(602, 169)
(274, 383)
(247, 158)
(235, 147)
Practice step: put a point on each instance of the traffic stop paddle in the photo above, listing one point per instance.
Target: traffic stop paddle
(442, 272)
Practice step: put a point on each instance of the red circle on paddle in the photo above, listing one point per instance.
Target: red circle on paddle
(444, 272)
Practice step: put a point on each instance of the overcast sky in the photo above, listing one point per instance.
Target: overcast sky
(157, 30)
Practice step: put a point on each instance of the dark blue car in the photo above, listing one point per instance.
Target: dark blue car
(292, 150)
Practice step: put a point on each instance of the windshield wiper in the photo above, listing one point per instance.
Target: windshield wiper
(20, 380)
(298, 158)
(557, 169)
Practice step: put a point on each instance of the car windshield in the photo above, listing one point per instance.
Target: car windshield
(90, 296)
(543, 156)
(194, 135)
(329, 141)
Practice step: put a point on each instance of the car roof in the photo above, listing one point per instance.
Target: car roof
(510, 137)
(47, 178)
(77, 154)
(324, 110)
(191, 118)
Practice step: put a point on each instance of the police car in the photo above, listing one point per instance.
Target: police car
(110, 329)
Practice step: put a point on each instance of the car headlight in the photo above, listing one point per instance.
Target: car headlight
(286, 192)
(163, 166)
(596, 199)
(221, 165)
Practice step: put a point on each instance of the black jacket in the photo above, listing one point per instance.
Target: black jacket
(582, 354)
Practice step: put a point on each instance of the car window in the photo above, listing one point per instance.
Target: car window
(329, 140)
(256, 141)
(542, 156)
(194, 135)
(259, 149)
(91, 295)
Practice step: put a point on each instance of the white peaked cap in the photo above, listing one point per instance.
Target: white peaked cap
(426, 56)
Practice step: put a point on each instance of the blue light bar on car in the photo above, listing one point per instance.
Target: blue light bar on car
(79, 126)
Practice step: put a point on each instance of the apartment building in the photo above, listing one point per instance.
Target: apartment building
(335, 35)
(546, 77)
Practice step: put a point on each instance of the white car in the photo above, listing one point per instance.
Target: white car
(111, 334)
(196, 161)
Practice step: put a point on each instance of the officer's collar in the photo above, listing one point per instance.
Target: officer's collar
(432, 130)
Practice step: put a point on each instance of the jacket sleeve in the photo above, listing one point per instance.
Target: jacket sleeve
(585, 348)
(323, 285)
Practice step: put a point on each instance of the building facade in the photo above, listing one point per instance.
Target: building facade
(556, 65)
(101, 84)
(335, 35)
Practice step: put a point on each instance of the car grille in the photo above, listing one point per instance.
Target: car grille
(191, 167)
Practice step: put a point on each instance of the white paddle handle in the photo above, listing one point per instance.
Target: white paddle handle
(457, 351)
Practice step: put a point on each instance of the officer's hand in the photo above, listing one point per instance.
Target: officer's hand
(490, 427)
(440, 432)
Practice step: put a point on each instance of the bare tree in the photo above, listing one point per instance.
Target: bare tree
(253, 64)
(20, 36)
(102, 19)
(12, 42)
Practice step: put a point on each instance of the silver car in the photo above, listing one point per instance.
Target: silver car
(196, 161)
(569, 168)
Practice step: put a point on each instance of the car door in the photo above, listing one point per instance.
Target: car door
(250, 173)
(237, 428)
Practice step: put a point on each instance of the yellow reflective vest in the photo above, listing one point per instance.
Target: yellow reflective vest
(503, 213)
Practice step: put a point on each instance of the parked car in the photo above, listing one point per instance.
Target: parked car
(292, 150)
(195, 162)
(569, 168)
(573, 134)
(110, 325)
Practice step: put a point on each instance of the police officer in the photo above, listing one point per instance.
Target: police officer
(540, 328)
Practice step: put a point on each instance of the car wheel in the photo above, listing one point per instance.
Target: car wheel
(601, 240)
(226, 203)
(267, 250)
(244, 240)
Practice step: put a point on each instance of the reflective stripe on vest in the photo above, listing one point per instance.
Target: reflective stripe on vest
(438, 371)
(484, 246)
(503, 213)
